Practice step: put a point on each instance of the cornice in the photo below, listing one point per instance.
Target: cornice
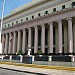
(25, 7)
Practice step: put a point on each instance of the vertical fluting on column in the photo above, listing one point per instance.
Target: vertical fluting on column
(14, 42)
(60, 36)
(36, 40)
(74, 33)
(29, 37)
(19, 41)
(65, 37)
(56, 40)
(43, 39)
(6, 44)
(24, 41)
(70, 35)
(3, 41)
(10, 43)
(51, 38)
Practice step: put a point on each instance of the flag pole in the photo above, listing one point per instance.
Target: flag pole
(1, 25)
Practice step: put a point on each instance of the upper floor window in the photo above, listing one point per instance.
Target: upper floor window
(5, 26)
(21, 19)
(54, 9)
(33, 17)
(12, 23)
(16, 22)
(63, 7)
(27, 19)
(39, 14)
(46, 12)
(73, 3)
(8, 25)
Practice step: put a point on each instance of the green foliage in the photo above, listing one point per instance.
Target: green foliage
(39, 52)
(19, 52)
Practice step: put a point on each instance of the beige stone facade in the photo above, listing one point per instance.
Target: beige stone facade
(47, 25)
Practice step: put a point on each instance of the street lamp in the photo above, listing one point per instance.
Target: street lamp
(1, 25)
(29, 50)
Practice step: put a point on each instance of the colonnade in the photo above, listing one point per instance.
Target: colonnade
(16, 40)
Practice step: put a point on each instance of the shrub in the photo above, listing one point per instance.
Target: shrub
(39, 52)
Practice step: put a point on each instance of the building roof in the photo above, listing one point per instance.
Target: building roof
(25, 7)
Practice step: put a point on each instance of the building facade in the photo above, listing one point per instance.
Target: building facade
(47, 25)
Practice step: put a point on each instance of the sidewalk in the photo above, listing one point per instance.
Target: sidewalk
(38, 69)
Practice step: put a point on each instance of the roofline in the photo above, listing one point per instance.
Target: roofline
(24, 7)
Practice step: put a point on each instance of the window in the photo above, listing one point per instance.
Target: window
(33, 17)
(8, 25)
(46, 12)
(54, 9)
(63, 7)
(39, 14)
(21, 19)
(5, 26)
(2, 27)
(27, 19)
(73, 3)
(16, 22)
(12, 24)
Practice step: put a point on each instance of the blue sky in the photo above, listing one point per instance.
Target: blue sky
(12, 4)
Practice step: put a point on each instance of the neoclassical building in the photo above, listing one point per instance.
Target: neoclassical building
(47, 25)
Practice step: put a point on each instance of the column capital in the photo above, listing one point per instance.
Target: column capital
(69, 18)
(59, 21)
(35, 26)
(24, 29)
(18, 31)
(50, 23)
(42, 25)
(29, 28)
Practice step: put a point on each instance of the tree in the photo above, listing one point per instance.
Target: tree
(39, 52)
(20, 52)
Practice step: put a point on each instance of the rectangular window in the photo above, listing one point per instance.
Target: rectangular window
(33, 17)
(16, 22)
(39, 14)
(27, 19)
(5, 26)
(63, 7)
(73, 3)
(54, 9)
(8, 25)
(21, 19)
(12, 24)
(46, 12)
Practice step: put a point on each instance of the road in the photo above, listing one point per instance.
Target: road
(10, 72)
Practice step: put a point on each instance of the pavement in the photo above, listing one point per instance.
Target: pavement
(38, 69)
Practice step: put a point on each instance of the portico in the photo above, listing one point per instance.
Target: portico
(53, 32)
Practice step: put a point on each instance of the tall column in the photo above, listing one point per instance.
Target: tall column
(43, 39)
(19, 41)
(29, 36)
(6, 44)
(70, 35)
(10, 43)
(36, 40)
(74, 33)
(60, 36)
(14, 43)
(51, 38)
(3, 41)
(65, 37)
(56, 39)
(24, 41)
